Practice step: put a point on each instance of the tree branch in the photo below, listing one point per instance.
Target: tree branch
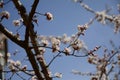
(21, 9)
(11, 36)
(34, 6)
(32, 35)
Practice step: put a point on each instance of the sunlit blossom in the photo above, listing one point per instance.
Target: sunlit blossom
(55, 48)
(78, 45)
(5, 14)
(65, 39)
(58, 75)
(44, 42)
(8, 55)
(116, 22)
(18, 63)
(11, 67)
(39, 57)
(16, 22)
(94, 78)
(49, 16)
(24, 67)
(67, 51)
(42, 50)
(34, 78)
(55, 41)
(101, 16)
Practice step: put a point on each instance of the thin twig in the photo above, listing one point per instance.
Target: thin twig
(20, 76)
(53, 59)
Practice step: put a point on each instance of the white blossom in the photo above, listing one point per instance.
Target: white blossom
(101, 16)
(18, 63)
(11, 62)
(49, 16)
(58, 75)
(16, 22)
(8, 55)
(42, 50)
(55, 48)
(55, 41)
(67, 51)
(39, 57)
(24, 67)
(66, 39)
(11, 67)
(44, 42)
(116, 22)
(34, 78)
(5, 14)
(78, 45)
(32, 72)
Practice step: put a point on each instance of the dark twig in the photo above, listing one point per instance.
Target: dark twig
(53, 59)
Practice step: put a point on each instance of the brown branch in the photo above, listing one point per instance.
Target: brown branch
(42, 63)
(34, 6)
(32, 35)
(34, 63)
(21, 9)
(27, 35)
(11, 36)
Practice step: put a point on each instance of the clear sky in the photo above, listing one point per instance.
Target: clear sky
(67, 15)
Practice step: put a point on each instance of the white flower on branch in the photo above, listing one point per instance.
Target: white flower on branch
(44, 42)
(49, 16)
(93, 59)
(94, 78)
(42, 50)
(58, 75)
(39, 57)
(55, 44)
(24, 68)
(77, 45)
(8, 55)
(101, 16)
(65, 39)
(55, 41)
(67, 51)
(16, 22)
(5, 14)
(55, 48)
(17, 63)
(34, 78)
(82, 28)
(116, 22)
(11, 65)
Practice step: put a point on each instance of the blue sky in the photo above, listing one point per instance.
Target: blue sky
(67, 15)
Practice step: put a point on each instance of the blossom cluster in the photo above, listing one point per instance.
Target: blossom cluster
(56, 75)
(16, 66)
(102, 17)
(55, 43)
